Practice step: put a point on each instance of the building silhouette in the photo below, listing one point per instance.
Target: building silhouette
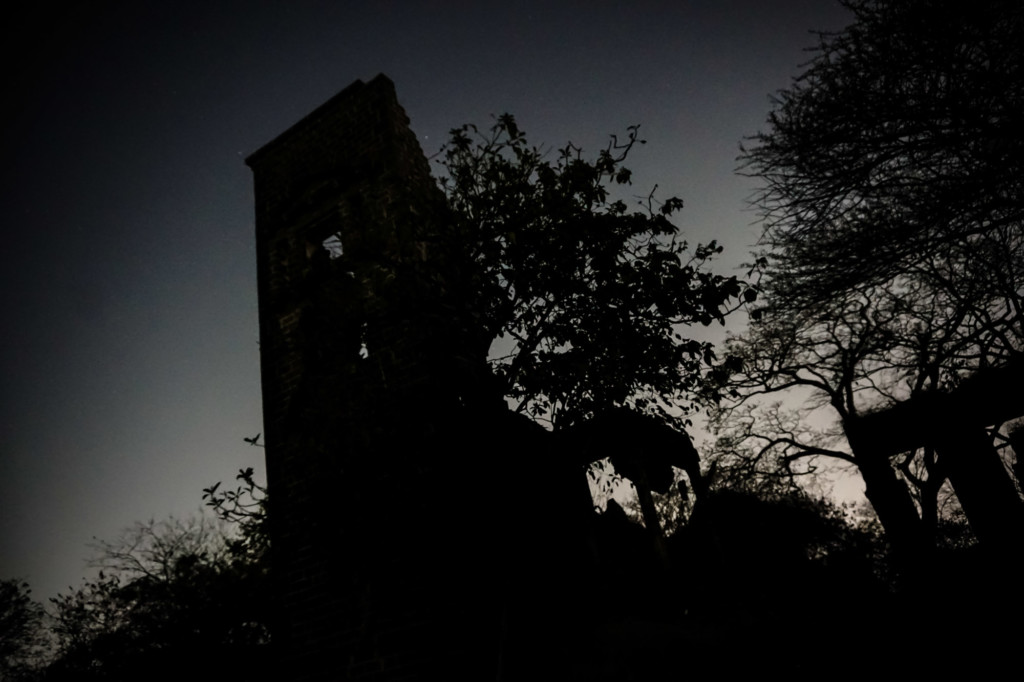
(397, 539)
(419, 528)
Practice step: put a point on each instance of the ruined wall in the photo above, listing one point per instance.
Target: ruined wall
(420, 530)
(351, 345)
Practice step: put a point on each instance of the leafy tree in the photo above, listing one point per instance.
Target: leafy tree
(895, 157)
(585, 302)
(170, 598)
(23, 642)
(245, 508)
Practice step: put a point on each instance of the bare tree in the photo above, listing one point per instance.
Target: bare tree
(893, 254)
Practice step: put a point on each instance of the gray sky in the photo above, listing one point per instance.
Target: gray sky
(129, 355)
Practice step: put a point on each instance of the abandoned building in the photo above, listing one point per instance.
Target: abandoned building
(394, 550)
(420, 530)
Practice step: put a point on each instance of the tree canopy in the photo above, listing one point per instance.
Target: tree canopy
(22, 638)
(180, 597)
(585, 300)
(897, 155)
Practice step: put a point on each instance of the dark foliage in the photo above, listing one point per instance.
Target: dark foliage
(172, 600)
(587, 300)
(897, 154)
(22, 638)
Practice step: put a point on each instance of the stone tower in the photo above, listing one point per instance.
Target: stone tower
(354, 379)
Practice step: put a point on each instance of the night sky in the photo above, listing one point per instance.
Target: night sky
(129, 357)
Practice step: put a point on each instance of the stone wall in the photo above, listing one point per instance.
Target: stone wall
(342, 199)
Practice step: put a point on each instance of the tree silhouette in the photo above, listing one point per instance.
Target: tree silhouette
(23, 642)
(585, 301)
(895, 158)
(171, 599)
(892, 268)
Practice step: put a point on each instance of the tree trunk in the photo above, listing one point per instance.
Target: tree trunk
(983, 486)
(894, 506)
